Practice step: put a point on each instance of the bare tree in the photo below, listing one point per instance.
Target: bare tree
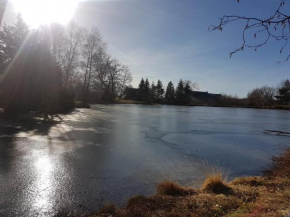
(114, 74)
(263, 96)
(125, 80)
(101, 65)
(71, 51)
(92, 47)
(57, 34)
(276, 27)
(193, 85)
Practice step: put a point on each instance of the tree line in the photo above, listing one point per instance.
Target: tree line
(268, 96)
(49, 68)
(264, 96)
(156, 93)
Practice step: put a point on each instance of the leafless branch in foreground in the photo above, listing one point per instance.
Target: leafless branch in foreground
(275, 27)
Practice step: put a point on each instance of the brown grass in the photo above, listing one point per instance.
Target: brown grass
(173, 189)
(135, 206)
(216, 184)
(281, 166)
(264, 196)
(251, 181)
(125, 101)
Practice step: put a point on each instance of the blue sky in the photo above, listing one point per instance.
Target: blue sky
(169, 40)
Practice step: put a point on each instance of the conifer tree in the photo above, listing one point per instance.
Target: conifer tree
(159, 91)
(180, 85)
(11, 40)
(153, 92)
(187, 92)
(147, 86)
(170, 93)
(284, 92)
(187, 88)
(141, 89)
(147, 90)
(180, 94)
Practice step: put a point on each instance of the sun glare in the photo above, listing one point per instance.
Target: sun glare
(37, 12)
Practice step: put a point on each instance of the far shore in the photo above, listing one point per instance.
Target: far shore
(276, 107)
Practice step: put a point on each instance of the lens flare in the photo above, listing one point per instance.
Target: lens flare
(38, 12)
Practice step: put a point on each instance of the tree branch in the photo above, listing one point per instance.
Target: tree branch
(275, 27)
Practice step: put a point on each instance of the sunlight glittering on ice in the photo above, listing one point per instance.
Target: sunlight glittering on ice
(44, 184)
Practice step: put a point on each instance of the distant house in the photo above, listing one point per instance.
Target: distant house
(205, 97)
(130, 94)
(198, 97)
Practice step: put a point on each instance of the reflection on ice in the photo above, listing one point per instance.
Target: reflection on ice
(44, 185)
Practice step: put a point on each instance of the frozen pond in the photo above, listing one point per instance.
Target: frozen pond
(108, 153)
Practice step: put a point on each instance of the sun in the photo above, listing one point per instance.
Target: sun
(38, 12)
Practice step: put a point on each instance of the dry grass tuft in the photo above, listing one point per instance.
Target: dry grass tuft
(216, 184)
(281, 166)
(173, 189)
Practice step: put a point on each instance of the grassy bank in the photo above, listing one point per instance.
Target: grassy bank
(267, 195)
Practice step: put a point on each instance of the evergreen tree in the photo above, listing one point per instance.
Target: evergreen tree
(34, 81)
(159, 91)
(180, 94)
(11, 40)
(284, 93)
(180, 86)
(147, 86)
(142, 89)
(187, 92)
(187, 88)
(153, 92)
(147, 90)
(170, 93)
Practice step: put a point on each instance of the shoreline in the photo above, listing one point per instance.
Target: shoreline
(131, 102)
(266, 195)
